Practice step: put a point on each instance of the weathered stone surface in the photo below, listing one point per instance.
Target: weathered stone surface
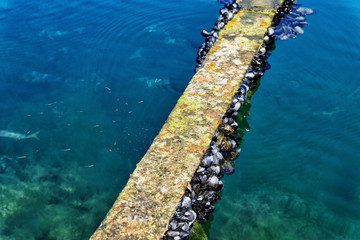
(260, 5)
(148, 201)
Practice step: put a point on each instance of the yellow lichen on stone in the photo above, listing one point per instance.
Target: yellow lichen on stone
(210, 66)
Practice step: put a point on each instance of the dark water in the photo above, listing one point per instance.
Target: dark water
(97, 79)
(297, 176)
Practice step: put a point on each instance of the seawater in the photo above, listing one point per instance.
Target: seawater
(97, 79)
(297, 175)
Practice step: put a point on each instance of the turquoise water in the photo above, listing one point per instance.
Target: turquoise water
(297, 176)
(97, 79)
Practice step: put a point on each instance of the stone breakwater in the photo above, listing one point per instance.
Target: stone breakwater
(203, 191)
(148, 205)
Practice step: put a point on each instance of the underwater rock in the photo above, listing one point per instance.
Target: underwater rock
(5, 163)
(155, 82)
(37, 77)
(53, 191)
(13, 165)
(52, 33)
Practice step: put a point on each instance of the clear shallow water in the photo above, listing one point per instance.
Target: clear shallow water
(297, 176)
(97, 79)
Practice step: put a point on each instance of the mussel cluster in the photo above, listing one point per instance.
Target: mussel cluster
(203, 189)
(292, 23)
(226, 14)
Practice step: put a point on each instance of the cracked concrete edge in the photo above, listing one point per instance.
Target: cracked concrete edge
(148, 201)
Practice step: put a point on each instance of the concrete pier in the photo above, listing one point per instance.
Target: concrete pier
(150, 198)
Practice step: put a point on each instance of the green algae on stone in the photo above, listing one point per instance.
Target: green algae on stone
(198, 232)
